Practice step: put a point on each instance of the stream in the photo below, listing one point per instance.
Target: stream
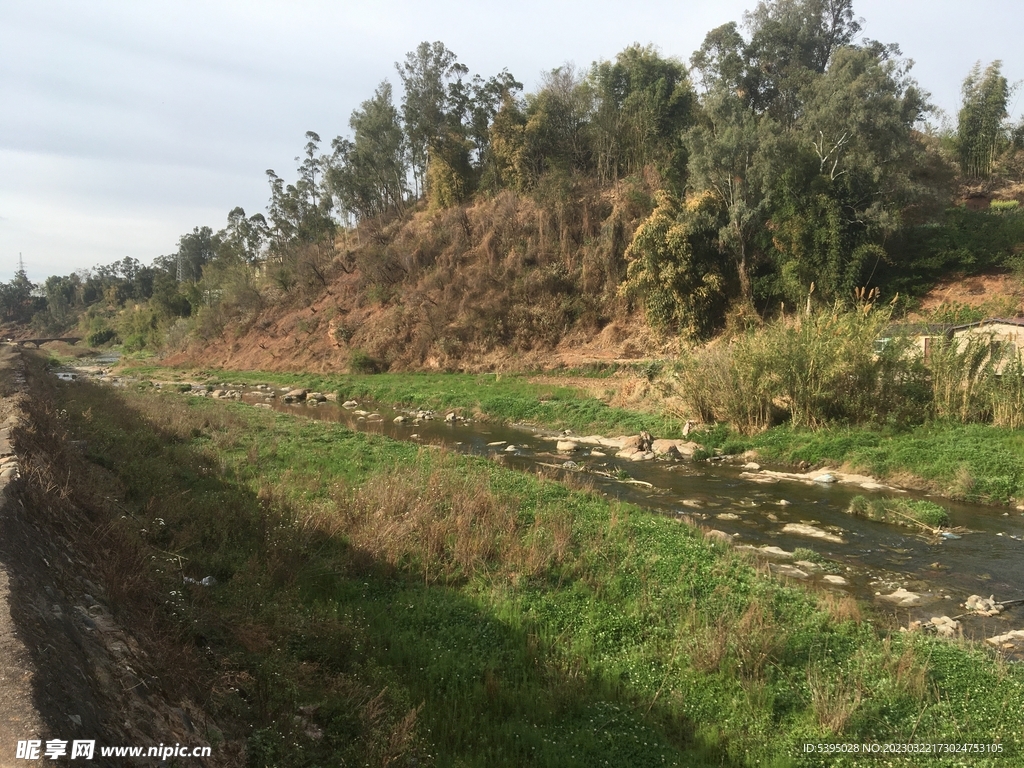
(875, 560)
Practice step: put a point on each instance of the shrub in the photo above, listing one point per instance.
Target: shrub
(820, 368)
(99, 338)
(360, 362)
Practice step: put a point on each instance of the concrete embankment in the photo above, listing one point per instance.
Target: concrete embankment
(75, 663)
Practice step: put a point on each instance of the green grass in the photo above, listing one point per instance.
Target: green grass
(976, 462)
(906, 512)
(409, 602)
(500, 397)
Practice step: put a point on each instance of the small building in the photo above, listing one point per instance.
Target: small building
(923, 336)
(1006, 333)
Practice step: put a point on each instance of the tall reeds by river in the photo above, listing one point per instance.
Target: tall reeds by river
(851, 366)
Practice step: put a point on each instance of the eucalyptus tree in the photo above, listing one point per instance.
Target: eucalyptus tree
(434, 100)
(805, 145)
(367, 175)
(245, 237)
(299, 214)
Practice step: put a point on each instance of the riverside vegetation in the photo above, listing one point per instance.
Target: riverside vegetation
(813, 388)
(376, 601)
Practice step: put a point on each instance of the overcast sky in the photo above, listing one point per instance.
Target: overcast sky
(126, 124)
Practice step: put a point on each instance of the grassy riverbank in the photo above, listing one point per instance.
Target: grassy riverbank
(975, 462)
(377, 601)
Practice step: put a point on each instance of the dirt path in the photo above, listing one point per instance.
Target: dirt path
(19, 717)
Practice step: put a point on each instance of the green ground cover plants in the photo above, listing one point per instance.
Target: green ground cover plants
(379, 602)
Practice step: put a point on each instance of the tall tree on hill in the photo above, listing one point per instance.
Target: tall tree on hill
(981, 123)
(791, 41)
(300, 213)
(18, 302)
(644, 103)
(195, 250)
(368, 174)
(806, 145)
(433, 103)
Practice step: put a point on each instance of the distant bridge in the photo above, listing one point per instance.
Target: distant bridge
(39, 342)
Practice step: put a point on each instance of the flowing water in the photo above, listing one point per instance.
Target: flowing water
(875, 559)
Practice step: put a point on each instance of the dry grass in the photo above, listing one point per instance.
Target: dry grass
(841, 607)
(834, 699)
(445, 524)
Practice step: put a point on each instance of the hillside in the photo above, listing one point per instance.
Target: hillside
(504, 282)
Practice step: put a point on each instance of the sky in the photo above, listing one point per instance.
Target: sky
(126, 124)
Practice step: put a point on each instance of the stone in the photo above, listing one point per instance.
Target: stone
(597, 453)
(451, 417)
(510, 449)
(400, 419)
(807, 565)
(218, 393)
(802, 529)
(838, 581)
(350, 404)
(496, 443)
(566, 446)
(675, 448)
(728, 516)
(903, 598)
(826, 478)
(759, 478)
(716, 535)
(983, 606)
(297, 394)
(319, 397)
(945, 626)
(784, 569)
(752, 466)
(775, 552)
(638, 443)
(1013, 638)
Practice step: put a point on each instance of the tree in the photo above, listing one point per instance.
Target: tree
(368, 174)
(735, 154)
(433, 103)
(981, 124)
(790, 42)
(195, 249)
(644, 102)
(244, 237)
(17, 300)
(300, 213)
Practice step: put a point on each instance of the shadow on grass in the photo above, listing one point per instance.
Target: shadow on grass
(309, 648)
